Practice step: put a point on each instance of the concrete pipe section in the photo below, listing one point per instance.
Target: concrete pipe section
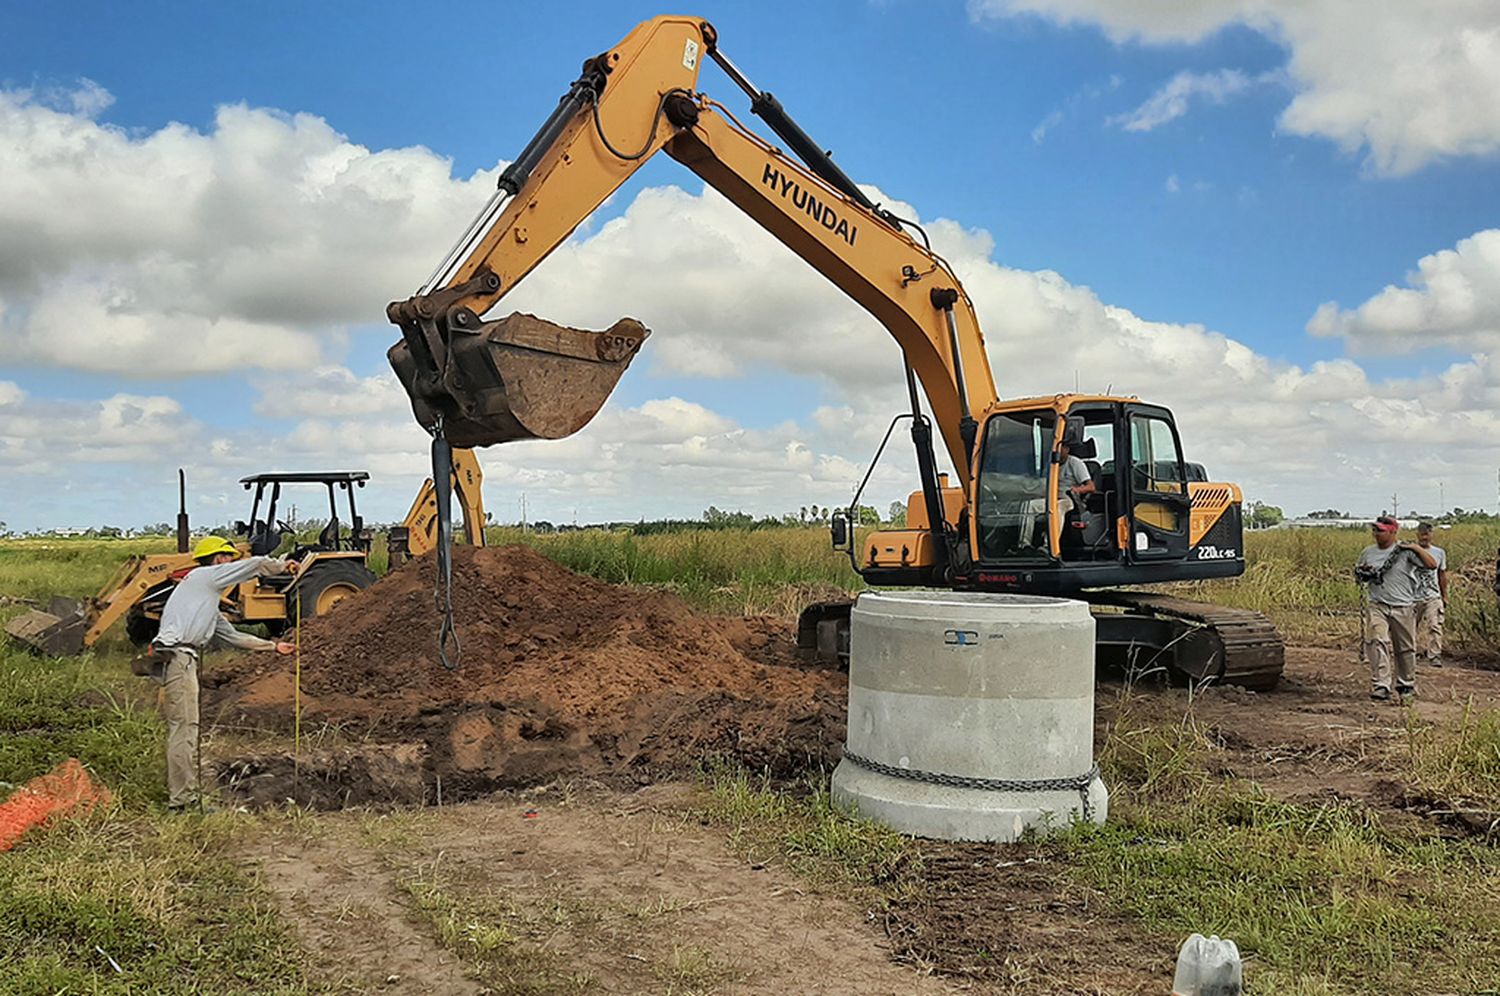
(971, 716)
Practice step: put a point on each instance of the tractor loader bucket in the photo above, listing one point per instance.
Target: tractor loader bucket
(521, 377)
(57, 632)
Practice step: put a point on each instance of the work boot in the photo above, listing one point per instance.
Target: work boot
(1407, 694)
(1380, 694)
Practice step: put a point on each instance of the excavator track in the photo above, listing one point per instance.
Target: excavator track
(1199, 640)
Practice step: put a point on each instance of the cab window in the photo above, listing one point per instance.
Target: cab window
(1156, 464)
(1013, 473)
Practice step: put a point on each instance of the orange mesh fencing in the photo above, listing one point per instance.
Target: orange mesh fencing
(65, 790)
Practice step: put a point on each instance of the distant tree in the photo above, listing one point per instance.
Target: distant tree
(543, 526)
(802, 513)
(868, 516)
(1328, 513)
(1263, 516)
(896, 513)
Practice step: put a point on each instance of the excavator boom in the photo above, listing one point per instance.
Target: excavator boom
(634, 100)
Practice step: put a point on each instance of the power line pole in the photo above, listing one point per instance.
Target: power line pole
(523, 511)
(1442, 502)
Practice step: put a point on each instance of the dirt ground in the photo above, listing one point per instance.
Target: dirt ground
(1319, 736)
(993, 914)
(602, 892)
(559, 676)
(627, 890)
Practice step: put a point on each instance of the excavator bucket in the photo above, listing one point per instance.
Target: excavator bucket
(521, 377)
(58, 631)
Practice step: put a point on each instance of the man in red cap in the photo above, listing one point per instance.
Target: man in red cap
(1388, 569)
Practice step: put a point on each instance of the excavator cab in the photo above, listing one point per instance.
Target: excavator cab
(1139, 510)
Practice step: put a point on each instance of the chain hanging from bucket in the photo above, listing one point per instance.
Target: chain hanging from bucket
(442, 595)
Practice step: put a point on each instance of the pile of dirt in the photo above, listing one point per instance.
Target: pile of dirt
(559, 675)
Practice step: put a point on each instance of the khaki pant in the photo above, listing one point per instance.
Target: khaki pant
(1429, 622)
(180, 709)
(1390, 632)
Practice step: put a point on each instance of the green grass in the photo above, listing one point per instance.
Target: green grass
(805, 830)
(162, 897)
(1322, 898)
(1457, 761)
(89, 707)
(773, 571)
(1326, 899)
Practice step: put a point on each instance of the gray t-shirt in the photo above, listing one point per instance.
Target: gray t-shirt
(1071, 474)
(1427, 580)
(1399, 586)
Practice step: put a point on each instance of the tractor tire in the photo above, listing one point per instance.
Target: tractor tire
(324, 586)
(140, 628)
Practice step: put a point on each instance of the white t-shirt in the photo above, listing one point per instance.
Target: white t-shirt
(1427, 580)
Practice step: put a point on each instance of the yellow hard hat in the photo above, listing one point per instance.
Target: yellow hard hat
(210, 545)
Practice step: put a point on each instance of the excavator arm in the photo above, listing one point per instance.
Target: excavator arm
(523, 378)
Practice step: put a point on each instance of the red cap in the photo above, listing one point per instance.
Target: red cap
(1385, 524)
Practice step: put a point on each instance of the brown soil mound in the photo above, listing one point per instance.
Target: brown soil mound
(559, 675)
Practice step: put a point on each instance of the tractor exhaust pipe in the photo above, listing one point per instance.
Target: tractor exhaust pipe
(183, 546)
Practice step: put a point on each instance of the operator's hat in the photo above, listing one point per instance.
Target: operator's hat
(1386, 524)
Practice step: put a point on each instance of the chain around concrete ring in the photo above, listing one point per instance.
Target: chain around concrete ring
(1077, 783)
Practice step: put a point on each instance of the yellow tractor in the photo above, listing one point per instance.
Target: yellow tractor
(331, 567)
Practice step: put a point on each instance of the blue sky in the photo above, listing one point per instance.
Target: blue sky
(1012, 122)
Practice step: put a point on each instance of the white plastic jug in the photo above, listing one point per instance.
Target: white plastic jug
(1208, 966)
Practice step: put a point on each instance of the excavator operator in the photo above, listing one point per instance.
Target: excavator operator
(190, 623)
(1073, 482)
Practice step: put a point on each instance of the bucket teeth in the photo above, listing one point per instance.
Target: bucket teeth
(57, 632)
(521, 377)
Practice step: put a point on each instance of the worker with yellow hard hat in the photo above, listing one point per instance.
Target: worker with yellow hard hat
(191, 623)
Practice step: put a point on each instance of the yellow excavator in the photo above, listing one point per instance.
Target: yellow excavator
(1003, 525)
(331, 567)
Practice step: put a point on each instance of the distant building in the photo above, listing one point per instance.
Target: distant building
(1344, 523)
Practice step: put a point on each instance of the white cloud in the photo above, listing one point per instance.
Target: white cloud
(330, 392)
(695, 269)
(174, 252)
(1453, 300)
(232, 281)
(1173, 185)
(1039, 133)
(1172, 100)
(1409, 83)
(56, 439)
